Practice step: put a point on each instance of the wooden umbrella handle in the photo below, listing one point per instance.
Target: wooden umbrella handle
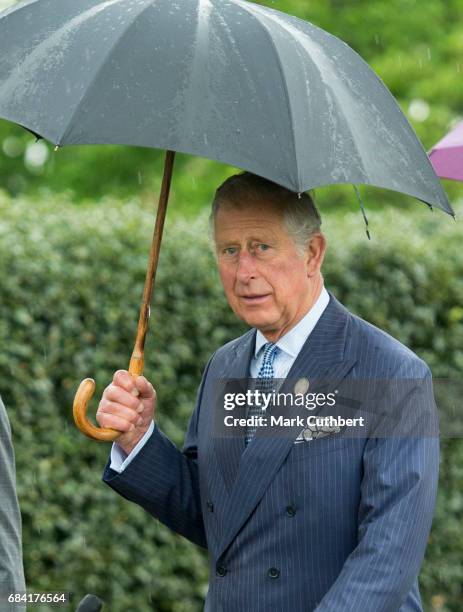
(87, 387)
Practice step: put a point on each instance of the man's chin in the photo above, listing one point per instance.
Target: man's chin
(262, 322)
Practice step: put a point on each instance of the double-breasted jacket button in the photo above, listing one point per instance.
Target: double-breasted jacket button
(290, 510)
(273, 572)
(210, 505)
(220, 570)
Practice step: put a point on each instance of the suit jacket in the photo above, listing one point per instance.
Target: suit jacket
(11, 567)
(334, 524)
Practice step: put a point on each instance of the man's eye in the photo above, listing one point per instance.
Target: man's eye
(263, 247)
(229, 251)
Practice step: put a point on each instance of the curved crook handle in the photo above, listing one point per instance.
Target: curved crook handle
(85, 393)
(83, 396)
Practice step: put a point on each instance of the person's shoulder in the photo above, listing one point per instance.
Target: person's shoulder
(234, 345)
(229, 351)
(378, 350)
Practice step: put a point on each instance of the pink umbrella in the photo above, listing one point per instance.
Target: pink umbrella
(447, 155)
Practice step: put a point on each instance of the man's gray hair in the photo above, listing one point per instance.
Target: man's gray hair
(300, 214)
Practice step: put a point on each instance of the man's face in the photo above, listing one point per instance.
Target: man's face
(267, 281)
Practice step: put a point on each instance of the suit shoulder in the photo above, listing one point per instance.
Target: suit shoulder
(378, 350)
(233, 344)
(226, 351)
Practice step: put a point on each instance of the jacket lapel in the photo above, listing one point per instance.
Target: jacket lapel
(233, 378)
(321, 356)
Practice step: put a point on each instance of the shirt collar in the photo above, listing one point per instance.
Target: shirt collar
(292, 342)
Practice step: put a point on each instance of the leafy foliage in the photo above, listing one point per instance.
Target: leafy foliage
(70, 283)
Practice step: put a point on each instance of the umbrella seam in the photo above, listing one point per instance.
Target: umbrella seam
(98, 72)
(285, 85)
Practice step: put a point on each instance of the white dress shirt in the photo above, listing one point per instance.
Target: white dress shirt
(290, 345)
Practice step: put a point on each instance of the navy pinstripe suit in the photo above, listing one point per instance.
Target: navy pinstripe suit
(334, 524)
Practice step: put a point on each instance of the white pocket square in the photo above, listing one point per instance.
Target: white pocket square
(314, 431)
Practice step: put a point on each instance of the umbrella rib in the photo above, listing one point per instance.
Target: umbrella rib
(285, 84)
(256, 12)
(14, 8)
(98, 72)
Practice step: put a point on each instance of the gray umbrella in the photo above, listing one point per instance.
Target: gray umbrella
(228, 80)
(223, 79)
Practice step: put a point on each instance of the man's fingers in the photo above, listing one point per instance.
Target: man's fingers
(145, 388)
(117, 394)
(114, 422)
(119, 410)
(125, 380)
(125, 405)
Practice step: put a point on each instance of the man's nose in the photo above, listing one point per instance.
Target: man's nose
(246, 269)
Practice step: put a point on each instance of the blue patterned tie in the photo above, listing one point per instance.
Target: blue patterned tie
(264, 383)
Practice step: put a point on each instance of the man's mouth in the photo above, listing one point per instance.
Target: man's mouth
(254, 299)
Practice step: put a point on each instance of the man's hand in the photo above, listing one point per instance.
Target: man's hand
(128, 405)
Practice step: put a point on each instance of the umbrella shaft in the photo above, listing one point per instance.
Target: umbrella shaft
(137, 359)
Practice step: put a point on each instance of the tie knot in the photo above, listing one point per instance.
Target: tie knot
(270, 351)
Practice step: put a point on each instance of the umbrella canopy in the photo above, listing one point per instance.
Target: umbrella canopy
(447, 155)
(224, 79)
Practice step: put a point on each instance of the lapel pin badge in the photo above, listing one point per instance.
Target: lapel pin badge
(302, 386)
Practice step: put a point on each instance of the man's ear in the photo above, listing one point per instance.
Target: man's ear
(315, 254)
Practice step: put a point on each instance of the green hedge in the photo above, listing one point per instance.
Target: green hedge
(70, 285)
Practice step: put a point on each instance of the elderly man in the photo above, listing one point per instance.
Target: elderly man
(291, 522)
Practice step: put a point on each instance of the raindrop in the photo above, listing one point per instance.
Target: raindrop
(419, 110)
(36, 155)
(428, 51)
(299, 195)
(377, 39)
(140, 178)
(12, 146)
